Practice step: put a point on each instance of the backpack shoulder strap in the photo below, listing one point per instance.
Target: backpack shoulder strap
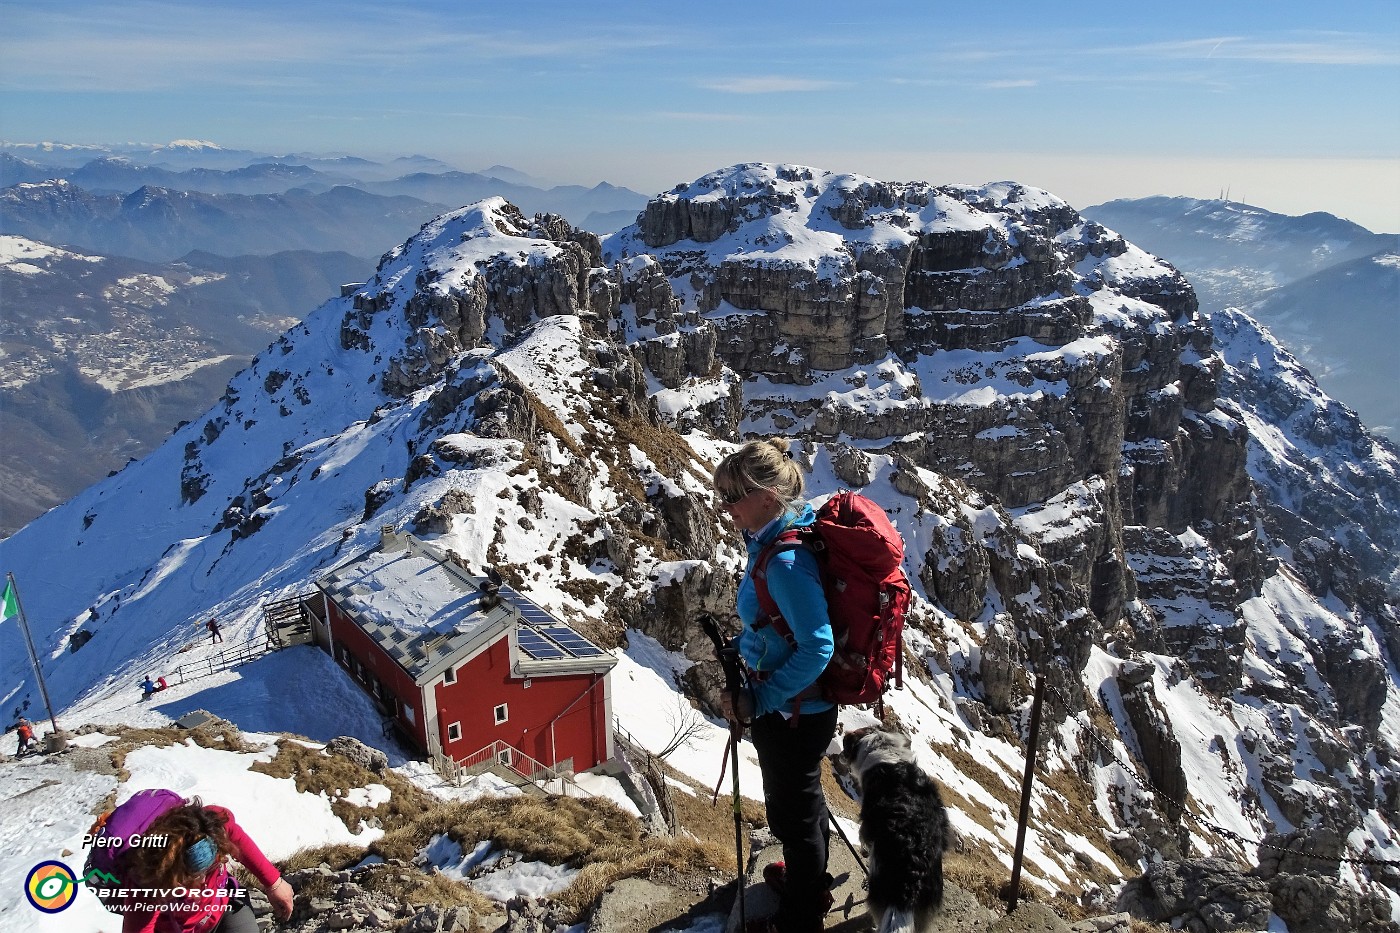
(768, 611)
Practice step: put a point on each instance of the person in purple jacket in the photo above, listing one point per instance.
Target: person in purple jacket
(792, 726)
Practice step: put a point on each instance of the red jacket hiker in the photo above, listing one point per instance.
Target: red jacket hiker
(204, 907)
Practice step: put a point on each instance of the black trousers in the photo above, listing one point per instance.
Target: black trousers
(239, 918)
(790, 757)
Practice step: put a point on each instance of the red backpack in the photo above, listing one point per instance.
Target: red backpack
(859, 554)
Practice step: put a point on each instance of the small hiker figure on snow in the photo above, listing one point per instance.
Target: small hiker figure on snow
(26, 736)
(214, 634)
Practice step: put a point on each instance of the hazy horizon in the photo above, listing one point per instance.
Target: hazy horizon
(1288, 106)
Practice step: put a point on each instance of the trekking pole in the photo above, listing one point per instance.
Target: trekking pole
(847, 840)
(733, 683)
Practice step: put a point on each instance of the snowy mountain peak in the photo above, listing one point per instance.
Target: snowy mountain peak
(190, 145)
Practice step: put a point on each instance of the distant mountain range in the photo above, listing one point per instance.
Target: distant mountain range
(163, 224)
(192, 153)
(437, 185)
(1328, 288)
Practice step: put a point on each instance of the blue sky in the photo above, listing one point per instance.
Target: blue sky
(1294, 106)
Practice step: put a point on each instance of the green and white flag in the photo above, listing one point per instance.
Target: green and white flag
(9, 606)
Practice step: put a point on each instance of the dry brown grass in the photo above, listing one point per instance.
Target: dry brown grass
(592, 834)
(1076, 813)
(712, 824)
(992, 782)
(1067, 805)
(219, 735)
(316, 772)
(654, 855)
(974, 870)
(547, 420)
(336, 856)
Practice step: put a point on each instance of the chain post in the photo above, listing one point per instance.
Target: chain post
(1027, 782)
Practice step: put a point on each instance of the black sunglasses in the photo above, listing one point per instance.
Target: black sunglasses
(736, 498)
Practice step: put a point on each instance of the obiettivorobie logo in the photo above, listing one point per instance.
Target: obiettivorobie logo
(51, 886)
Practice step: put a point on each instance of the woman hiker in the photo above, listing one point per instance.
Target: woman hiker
(198, 840)
(761, 488)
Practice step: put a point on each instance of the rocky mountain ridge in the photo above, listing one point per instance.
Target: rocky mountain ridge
(1035, 400)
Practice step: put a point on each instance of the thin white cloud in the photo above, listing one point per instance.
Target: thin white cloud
(1324, 49)
(159, 45)
(1011, 83)
(1347, 49)
(769, 84)
(696, 117)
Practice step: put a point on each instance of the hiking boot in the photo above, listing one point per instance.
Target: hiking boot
(775, 876)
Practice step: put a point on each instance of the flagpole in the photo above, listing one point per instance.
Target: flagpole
(33, 657)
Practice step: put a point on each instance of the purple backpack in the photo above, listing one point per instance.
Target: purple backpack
(111, 836)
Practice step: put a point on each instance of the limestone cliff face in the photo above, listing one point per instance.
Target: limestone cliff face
(1036, 402)
(448, 302)
(1007, 343)
(1049, 398)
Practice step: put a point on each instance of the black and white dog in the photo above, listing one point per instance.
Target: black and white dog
(902, 826)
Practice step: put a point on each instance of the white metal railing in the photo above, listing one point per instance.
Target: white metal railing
(447, 768)
(499, 752)
(507, 756)
(638, 787)
(229, 657)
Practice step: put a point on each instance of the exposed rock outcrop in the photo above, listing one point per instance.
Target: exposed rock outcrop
(1209, 895)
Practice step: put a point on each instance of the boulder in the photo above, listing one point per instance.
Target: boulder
(1203, 896)
(371, 759)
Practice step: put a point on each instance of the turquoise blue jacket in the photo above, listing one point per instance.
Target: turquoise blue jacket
(782, 671)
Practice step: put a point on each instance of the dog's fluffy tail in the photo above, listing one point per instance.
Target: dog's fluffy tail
(897, 921)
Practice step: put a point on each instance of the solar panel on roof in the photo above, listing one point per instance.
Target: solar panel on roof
(572, 641)
(543, 637)
(537, 646)
(527, 608)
